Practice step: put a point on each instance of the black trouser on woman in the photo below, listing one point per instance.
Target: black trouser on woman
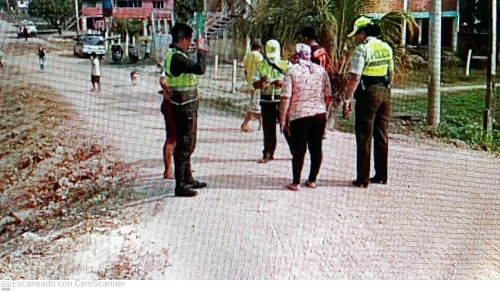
(185, 120)
(307, 133)
(373, 111)
(270, 113)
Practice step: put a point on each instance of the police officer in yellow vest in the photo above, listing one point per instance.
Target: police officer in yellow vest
(372, 67)
(269, 78)
(180, 87)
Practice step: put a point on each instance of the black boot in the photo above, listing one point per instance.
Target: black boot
(190, 182)
(194, 184)
(185, 191)
(378, 180)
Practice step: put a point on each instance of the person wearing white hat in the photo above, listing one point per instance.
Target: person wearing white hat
(306, 92)
(372, 67)
(269, 79)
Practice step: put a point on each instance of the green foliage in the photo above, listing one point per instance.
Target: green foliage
(185, 10)
(55, 12)
(333, 20)
(11, 3)
(462, 119)
(132, 26)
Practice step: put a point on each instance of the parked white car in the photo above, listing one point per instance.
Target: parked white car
(89, 43)
(30, 26)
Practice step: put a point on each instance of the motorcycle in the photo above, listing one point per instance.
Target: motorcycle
(117, 53)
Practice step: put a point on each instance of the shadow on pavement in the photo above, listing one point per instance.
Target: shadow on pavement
(245, 182)
(225, 140)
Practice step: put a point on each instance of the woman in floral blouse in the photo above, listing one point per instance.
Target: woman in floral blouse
(306, 92)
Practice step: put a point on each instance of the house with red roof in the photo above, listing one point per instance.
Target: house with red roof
(153, 13)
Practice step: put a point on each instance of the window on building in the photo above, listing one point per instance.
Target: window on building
(159, 4)
(92, 3)
(128, 3)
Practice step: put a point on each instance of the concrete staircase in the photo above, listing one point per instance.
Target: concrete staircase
(218, 21)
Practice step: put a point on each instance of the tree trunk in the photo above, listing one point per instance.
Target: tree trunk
(434, 92)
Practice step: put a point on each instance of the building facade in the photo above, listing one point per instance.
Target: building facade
(22, 5)
(420, 11)
(154, 13)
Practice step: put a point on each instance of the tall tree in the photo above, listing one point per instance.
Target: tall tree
(184, 10)
(55, 12)
(333, 20)
(9, 3)
(131, 26)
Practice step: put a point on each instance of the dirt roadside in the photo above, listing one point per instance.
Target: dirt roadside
(438, 218)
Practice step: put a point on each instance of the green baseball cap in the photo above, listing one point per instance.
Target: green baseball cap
(360, 23)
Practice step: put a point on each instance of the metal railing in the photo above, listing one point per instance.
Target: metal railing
(217, 21)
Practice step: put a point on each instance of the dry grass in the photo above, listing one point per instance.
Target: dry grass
(49, 172)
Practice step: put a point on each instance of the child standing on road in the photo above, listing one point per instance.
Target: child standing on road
(95, 77)
(42, 56)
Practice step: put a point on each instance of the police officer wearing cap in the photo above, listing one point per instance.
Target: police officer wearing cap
(180, 88)
(372, 66)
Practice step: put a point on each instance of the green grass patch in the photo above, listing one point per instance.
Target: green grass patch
(452, 75)
(461, 119)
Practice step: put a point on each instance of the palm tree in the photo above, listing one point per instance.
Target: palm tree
(333, 20)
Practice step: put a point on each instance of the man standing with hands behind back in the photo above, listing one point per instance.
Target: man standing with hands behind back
(181, 86)
(372, 66)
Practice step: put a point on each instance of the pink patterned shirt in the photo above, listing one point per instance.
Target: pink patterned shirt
(306, 91)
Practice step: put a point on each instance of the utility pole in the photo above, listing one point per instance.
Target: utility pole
(434, 91)
(404, 28)
(77, 15)
(491, 72)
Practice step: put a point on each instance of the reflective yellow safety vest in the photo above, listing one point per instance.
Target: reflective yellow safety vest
(378, 58)
(182, 82)
(266, 70)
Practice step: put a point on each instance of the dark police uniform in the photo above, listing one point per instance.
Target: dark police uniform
(181, 77)
(372, 60)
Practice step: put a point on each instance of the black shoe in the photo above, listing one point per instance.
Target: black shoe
(265, 159)
(185, 192)
(376, 180)
(194, 184)
(360, 184)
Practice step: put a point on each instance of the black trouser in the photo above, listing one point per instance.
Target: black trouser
(185, 121)
(307, 133)
(373, 111)
(270, 117)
